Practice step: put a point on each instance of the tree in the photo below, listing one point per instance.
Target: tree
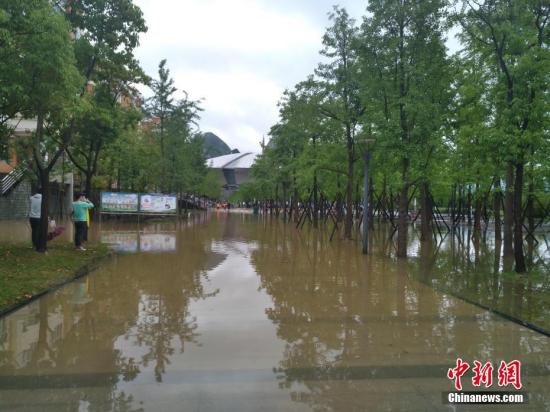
(132, 162)
(12, 76)
(342, 100)
(184, 164)
(403, 51)
(512, 39)
(50, 83)
(305, 131)
(475, 149)
(211, 185)
(182, 161)
(99, 125)
(47, 82)
(161, 104)
(106, 32)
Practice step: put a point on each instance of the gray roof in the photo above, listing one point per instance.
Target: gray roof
(233, 161)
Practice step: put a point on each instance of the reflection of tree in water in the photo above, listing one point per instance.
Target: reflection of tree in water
(164, 315)
(344, 317)
(318, 303)
(74, 333)
(465, 266)
(68, 347)
(156, 330)
(168, 283)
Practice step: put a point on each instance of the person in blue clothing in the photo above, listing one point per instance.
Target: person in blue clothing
(79, 217)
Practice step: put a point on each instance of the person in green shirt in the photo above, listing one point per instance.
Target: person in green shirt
(79, 216)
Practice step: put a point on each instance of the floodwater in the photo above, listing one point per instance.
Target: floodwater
(228, 312)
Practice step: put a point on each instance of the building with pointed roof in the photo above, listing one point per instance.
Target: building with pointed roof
(234, 170)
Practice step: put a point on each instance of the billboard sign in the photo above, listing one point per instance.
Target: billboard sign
(158, 204)
(119, 202)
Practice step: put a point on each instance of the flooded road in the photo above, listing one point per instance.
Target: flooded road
(235, 312)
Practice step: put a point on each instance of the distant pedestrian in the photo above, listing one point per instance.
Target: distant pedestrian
(80, 208)
(34, 217)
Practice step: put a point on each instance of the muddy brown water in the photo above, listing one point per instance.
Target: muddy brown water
(229, 312)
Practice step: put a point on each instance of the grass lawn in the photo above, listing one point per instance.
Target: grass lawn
(25, 273)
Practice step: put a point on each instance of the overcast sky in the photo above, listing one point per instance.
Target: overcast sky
(237, 55)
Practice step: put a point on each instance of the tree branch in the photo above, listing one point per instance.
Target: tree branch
(74, 161)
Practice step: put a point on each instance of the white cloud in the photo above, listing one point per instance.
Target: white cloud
(236, 103)
(237, 25)
(232, 92)
(239, 55)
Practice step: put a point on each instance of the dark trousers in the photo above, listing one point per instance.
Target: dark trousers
(35, 231)
(80, 233)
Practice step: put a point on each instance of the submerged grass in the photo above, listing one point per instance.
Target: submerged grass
(25, 273)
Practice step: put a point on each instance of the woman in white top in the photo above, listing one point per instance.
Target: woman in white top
(34, 217)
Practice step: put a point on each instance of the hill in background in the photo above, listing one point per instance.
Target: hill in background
(213, 146)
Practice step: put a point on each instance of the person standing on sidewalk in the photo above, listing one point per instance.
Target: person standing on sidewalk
(80, 224)
(34, 217)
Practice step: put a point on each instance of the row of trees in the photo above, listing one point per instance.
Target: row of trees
(167, 154)
(444, 129)
(71, 66)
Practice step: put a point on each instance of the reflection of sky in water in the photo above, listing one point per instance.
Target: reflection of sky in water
(463, 238)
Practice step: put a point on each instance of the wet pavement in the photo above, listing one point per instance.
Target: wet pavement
(229, 312)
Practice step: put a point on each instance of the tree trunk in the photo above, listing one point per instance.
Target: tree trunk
(366, 205)
(508, 211)
(296, 210)
(469, 205)
(88, 186)
(357, 202)
(383, 201)
(460, 205)
(496, 262)
(477, 213)
(275, 201)
(497, 199)
(426, 212)
(315, 201)
(530, 208)
(281, 206)
(44, 177)
(518, 220)
(452, 207)
(349, 189)
(371, 204)
(402, 224)
(162, 139)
